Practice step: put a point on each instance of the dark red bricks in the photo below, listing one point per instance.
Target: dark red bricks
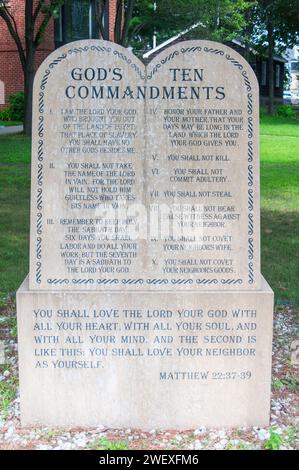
(10, 67)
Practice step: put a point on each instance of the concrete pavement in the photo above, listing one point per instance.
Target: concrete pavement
(4, 130)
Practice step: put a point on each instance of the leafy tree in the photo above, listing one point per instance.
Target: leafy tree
(37, 16)
(275, 28)
(248, 29)
(217, 20)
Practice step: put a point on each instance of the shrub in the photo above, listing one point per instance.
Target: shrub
(263, 111)
(285, 110)
(105, 444)
(17, 106)
(5, 114)
(275, 440)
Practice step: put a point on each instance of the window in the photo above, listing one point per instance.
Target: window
(58, 31)
(294, 66)
(277, 76)
(78, 15)
(77, 20)
(264, 73)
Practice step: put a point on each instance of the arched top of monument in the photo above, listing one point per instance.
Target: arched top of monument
(77, 48)
(197, 48)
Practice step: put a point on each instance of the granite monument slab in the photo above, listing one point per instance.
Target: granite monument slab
(145, 305)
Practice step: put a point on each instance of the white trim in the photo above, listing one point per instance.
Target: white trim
(173, 38)
(90, 20)
(239, 43)
(170, 40)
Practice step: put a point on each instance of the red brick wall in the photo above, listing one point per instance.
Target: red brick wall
(112, 16)
(10, 68)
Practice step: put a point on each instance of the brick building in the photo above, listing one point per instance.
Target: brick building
(76, 20)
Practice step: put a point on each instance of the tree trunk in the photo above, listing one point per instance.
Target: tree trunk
(271, 64)
(126, 21)
(247, 52)
(248, 31)
(28, 89)
(29, 67)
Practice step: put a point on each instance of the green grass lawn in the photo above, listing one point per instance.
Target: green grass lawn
(14, 211)
(10, 123)
(280, 205)
(279, 201)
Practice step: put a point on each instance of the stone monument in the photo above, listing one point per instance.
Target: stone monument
(145, 306)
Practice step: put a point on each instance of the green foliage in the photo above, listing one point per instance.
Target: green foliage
(289, 382)
(285, 110)
(49, 9)
(215, 20)
(51, 433)
(241, 445)
(104, 444)
(3, 302)
(291, 436)
(9, 322)
(277, 384)
(283, 17)
(13, 327)
(275, 440)
(15, 111)
(8, 392)
(263, 111)
(17, 106)
(5, 114)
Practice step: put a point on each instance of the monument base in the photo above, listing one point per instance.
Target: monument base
(162, 360)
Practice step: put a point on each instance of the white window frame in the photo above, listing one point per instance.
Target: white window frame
(90, 20)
